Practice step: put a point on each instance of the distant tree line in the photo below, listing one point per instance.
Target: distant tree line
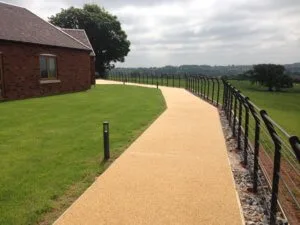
(230, 70)
(188, 69)
(274, 77)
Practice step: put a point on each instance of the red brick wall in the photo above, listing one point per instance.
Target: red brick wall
(22, 72)
(93, 76)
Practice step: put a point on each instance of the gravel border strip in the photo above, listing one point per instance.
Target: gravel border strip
(255, 206)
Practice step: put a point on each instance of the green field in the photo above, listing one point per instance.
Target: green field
(283, 107)
(51, 147)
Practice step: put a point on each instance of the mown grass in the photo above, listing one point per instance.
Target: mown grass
(51, 147)
(283, 107)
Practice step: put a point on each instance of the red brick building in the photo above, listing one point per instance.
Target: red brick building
(37, 58)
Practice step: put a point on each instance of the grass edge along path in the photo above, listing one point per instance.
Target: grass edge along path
(22, 160)
(166, 169)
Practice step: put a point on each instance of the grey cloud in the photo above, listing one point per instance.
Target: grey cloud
(227, 32)
(111, 4)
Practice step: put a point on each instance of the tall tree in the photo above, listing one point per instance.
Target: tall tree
(103, 29)
(271, 76)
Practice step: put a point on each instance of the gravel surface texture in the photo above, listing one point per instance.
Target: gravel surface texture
(255, 206)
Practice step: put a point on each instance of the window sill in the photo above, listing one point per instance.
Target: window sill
(49, 81)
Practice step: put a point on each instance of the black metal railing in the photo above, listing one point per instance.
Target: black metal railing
(267, 150)
(263, 144)
(169, 80)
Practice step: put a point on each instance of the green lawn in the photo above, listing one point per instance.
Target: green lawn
(51, 147)
(283, 107)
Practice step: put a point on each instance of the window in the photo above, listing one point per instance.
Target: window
(48, 67)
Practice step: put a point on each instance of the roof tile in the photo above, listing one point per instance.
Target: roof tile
(19, 24)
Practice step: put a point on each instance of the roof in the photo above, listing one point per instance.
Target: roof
(80, 35)
(21, 25)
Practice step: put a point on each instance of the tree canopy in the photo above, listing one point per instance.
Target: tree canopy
(104, 31)
(271, 76)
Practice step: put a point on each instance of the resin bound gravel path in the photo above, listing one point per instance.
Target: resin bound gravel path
(176, 172)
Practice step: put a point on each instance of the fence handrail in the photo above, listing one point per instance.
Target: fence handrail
(237, 108)
(295, 143)
(233, 100)
(273, 122)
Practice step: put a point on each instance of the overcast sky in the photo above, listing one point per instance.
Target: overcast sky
(216, 32)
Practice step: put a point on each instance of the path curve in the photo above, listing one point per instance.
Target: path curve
(176, 172)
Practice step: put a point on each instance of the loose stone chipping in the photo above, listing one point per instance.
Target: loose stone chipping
(255, 206)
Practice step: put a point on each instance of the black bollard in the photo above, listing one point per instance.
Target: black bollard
(106, 140)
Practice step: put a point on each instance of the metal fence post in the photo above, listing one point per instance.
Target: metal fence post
(201, 84)
(204, 88)
(295, 143)
(106, 140)
(173, 80)
(192, 80)
(256, 144)
(213, 90)
(192, 77)
(198, 85)
(193, 83)
(234, 113)
(228, 102)
(240, 118)
(186, 82)
(230, 92)
(246, 130)
(207, 97)
(167, 80)
(225, 96)
(218, 92)
(276, 167)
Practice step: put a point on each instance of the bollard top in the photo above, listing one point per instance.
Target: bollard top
(105, 126)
